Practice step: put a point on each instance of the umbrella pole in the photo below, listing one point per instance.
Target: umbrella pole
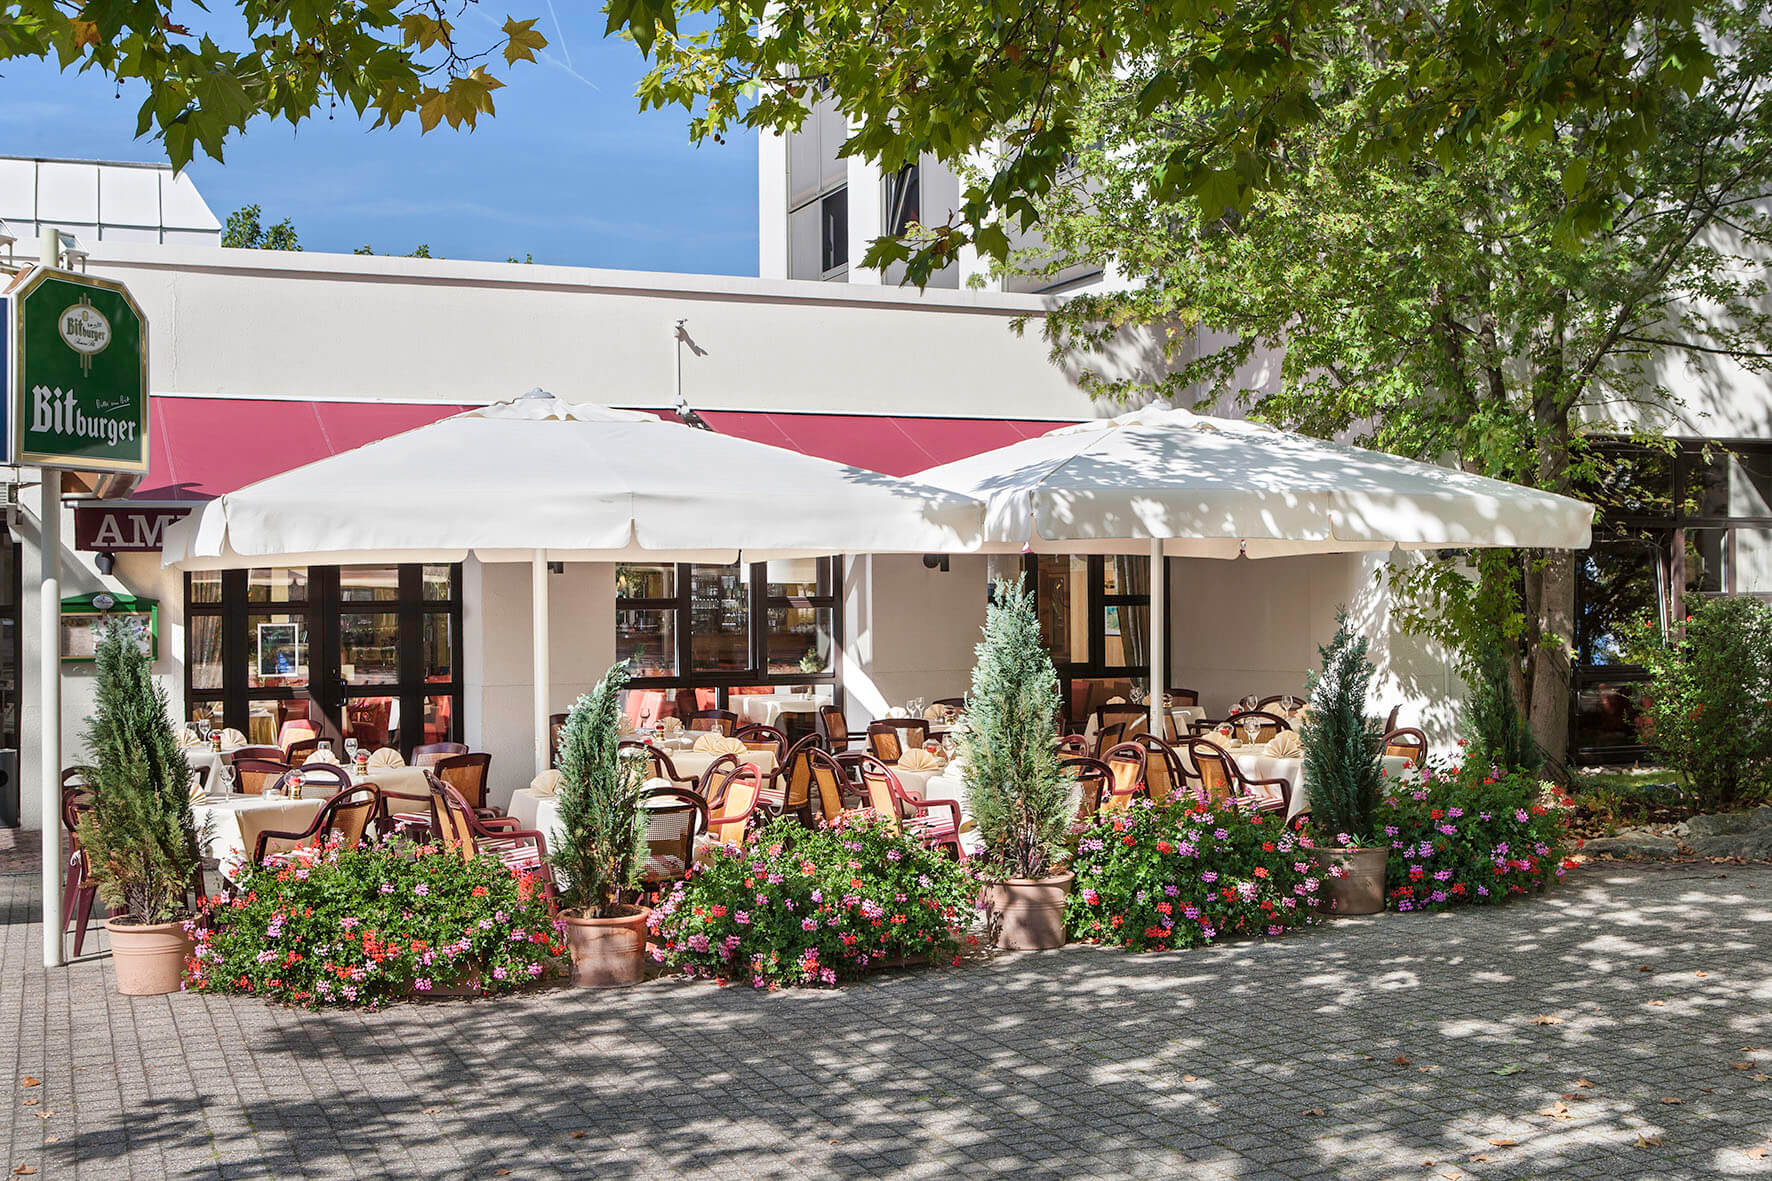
(538, 606)
(1159, 637)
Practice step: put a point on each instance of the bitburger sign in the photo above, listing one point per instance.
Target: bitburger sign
(80, 374)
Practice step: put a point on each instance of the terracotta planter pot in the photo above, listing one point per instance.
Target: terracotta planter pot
(1359, 889)
(1028, 914)
(607, 953)
(150, 958)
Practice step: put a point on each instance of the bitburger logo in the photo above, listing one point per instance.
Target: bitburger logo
(85, 329)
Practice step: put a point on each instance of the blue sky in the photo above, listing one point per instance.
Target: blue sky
(567, 171)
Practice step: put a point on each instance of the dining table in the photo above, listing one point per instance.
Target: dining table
(229, 825)
(765, 709)
(1183, 717)
(690, 764)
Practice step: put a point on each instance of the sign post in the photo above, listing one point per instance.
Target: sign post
(78, 401)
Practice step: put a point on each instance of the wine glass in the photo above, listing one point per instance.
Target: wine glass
(203, 727)
(1252, 728)
(1250, 701)
(1136, 693)
(351, 748)
(227, 779)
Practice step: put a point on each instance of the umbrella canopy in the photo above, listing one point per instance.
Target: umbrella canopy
(576, 481)
(1213, 487)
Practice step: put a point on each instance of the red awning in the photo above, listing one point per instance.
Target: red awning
(203, 447)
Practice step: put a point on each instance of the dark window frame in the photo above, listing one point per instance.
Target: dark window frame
(1096, 666)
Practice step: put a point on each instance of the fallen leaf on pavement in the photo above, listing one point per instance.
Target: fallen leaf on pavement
(501, 1172)
(31, 1082)
(1190, 1078)
(1758, 1153)
(432, 1110)
(1581, 1082)
(1645, 968)
(1648, 1141)
(30, 1103)
(1400, 1060)
(1479, 1158)
(1672, 1102)
(1558, 1110)
(1314, 1111)
(1761, 1078)
(23, 1171)
(1510, 1068)
(1657, 1004)
(1545, 1019)
(1741, 1066)
(578, 1135)
(1701, 973)
(1502, 1142)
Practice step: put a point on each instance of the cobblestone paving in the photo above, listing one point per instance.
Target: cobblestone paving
(1621, 1027)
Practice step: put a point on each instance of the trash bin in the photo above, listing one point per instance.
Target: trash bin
(10, 816)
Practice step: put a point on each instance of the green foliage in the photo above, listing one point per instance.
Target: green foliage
(246, 231)
(1343, 755)
(1496, 733)
(1215, 97)
(422, 250)
(795, 906)
(285, 59)
(140, 836)
(1460, 836)
(1709, 702)
(1163, 876)
(1020, 798)
(603, 825)
(334, 926)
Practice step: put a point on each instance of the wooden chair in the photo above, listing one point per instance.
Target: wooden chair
(366, 720)
(760, 737)
(886, 796)
(1183, 696)
(1390, 723)
(1108, 736)
(1270, 723)
(1094, 780)
(714, 779)
(297, 751)
(252, 776)
(349, 813)
(556, 723)
(795, 773)
(675, 818)
(1220, 779)
(318, 775)
(1126, 771)
(273, 753)
(662, 767)
(889, 738)
(459, 830)
(723, 721)
(733, 801)
(1164, 774)
(835, 728)
(1073, 746)
(828, 781)
(1408, 743)
(294, 730)
(427, 754)
(1122, 712)
(467, 774)
(79, 891)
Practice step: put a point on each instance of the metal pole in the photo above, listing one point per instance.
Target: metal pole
(1159, 638)
(538, 600)
(49, 675)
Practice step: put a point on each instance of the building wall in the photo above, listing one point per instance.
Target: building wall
(908, 631)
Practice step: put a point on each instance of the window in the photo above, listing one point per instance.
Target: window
(1095, 617)
(904, 201)
(834, 231)
(724, 628)
(371, 652)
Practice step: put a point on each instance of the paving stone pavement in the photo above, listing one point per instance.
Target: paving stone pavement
(1396, 1046)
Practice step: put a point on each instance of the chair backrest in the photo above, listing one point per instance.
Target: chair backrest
(662, 767)
(366, 720)
(1163, 773)
(318, 775)
(885, 742)
(252, 776)
(827, 781)
(797, 775)
(273, 753)
(1120, 712)
(912, 732)
(348, 813)
(835, 727)
(1216, 773)
(73, 777)
(295, 729)
(757, 736)
(1408, 743)
(1073, 746)
(1270, 723)
(300, 748)
(452, 819)
(467, 774)
(1093, 779)
(881, 788)
(739, 790)
(675, 816)
(1390, 723)
(1125, 764)
(715, 779)
(1183, 696)
(723, 721)
(1110, 735)
(427, 754)
(958, 703)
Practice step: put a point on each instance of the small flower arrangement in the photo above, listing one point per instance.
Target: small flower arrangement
(1464, 836)
(337, 926)
(1157, 877)
(798, 906)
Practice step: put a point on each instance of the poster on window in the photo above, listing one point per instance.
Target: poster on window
(280, 652)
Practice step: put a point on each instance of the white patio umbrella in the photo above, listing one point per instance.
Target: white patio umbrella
(1177, 484)
(539, 479)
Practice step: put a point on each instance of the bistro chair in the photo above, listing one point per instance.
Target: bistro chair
(835, 728)
(324, 776)
(1269, 724)
(1121, 712)
(1108, 736)
(722, 721)
(460, 831)
(662, 768)
(1183, 696)
(467, 774)
(828, 781)
(556, 723)
(675, 818)
(1073, 746)
(1408, 743)
(1164, 775)
(760, 737)
(79, 890)
(713, 779)
(1221, 780)
(1094, 780)
(1126, 772)
(295, 729)
(733, 800)
(887, 797)
(252, 776)
(273, 753)
(889, 738)
(795, 773)
(426, 754)
(297, 751)
(348, 813)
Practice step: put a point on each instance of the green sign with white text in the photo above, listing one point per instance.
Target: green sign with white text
(80, 376)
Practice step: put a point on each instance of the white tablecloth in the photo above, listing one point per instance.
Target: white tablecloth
(763, 709)
(239, 819)
(541, 814)
(1257, 765)
(1182, 715)
(691, 763)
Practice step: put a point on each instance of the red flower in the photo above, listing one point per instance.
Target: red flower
(1261, 871)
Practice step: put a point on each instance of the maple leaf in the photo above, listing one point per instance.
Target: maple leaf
(1400, 1060)
(522, 41)
(1544, 1019)
(1648, 1141)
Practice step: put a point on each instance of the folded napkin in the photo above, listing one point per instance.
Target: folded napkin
(935, 713)
(1284, 745)
(385, 758)
(322, 755)
(188, 737)
(673, 725)
(545, 784)
(199, 793)
(232, 737)
(1116, 701)
(898, 711)
(918, 759)
(714, 742)
(1230, 742)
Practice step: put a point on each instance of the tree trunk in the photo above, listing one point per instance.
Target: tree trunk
(1550, 580)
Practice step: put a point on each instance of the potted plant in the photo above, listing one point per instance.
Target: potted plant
(1344, 770)
(139, 837)
(1019, 798)
(603, 845)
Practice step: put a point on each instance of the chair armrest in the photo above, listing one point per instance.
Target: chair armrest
(264, 838)
(924, 807)
(501, 823)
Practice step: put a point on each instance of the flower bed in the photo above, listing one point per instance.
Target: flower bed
(364, 927)
(797, 906)
(1459, 836)
(1163, 876)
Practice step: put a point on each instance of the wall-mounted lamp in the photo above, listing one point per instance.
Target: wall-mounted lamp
(556, 567)
(935, 562)
(105, 563)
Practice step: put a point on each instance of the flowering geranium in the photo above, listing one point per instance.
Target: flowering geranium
(1181, 874)
(365, 926)
(800, 906)
(1463, 835)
